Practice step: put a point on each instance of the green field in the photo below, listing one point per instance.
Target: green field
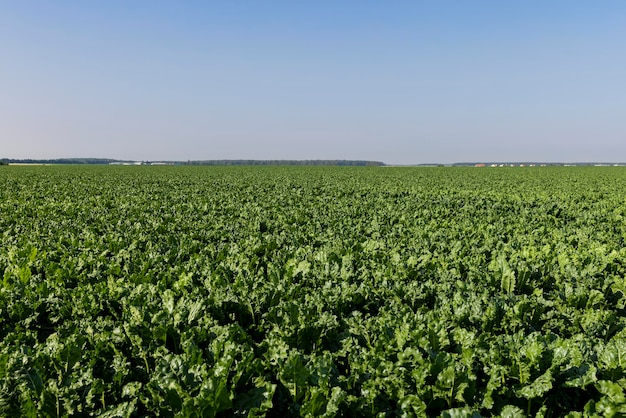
(312, 291)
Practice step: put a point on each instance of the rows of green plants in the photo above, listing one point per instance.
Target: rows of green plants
(312, 291)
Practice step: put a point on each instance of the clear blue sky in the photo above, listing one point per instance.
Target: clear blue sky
(397, 81)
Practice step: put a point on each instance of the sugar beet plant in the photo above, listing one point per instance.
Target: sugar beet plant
(290, 291)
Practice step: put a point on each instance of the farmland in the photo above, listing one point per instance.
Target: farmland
(312, 291)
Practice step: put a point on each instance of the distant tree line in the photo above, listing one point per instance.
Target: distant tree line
(198, 162)
(287, 162)
(58, 161)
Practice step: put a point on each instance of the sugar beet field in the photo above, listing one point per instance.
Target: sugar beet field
(312, 291)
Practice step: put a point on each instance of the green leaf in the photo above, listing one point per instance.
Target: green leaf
(412, 405)
(465, 412)
(538, 388)
(337, 397)
(257, 401)
(511, 411)
(507, 275)
(131, 390)
(582, 376)
(613, 391)
(294, 375)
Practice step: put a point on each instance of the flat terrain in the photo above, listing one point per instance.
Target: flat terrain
(281, 291)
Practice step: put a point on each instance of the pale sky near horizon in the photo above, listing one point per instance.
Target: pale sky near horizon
(403, 82)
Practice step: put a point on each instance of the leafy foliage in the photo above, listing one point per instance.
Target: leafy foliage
(312, 291)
